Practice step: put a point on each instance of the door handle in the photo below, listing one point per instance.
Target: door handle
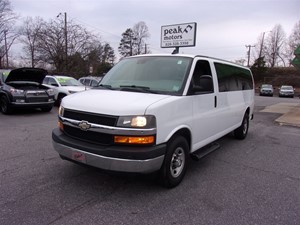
(215, 101)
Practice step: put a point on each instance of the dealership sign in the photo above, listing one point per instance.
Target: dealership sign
(178, 35)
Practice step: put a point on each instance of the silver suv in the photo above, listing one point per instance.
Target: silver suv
(286, 91)
(266, 90)
(63, 86)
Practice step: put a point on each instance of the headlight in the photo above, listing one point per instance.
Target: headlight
(50, 91)
(16, 91)
(61, 111)
(137, 121)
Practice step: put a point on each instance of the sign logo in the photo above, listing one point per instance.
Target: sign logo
(179, 35)
(84, 125)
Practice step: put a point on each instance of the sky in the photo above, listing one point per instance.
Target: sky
(224, 27)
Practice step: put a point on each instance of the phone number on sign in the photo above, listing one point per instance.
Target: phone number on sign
(176, 43)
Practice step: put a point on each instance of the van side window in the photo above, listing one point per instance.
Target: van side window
(202, 82)
(232, 78)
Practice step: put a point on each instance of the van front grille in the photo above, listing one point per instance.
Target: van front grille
(89, 136)
(91, 117)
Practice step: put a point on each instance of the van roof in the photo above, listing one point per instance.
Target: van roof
(191, 56)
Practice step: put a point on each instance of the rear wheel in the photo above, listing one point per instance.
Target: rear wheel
(175, 162)
(5, 107)
(242, 131)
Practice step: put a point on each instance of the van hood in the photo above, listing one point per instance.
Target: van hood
(27, 74)
(111, 102)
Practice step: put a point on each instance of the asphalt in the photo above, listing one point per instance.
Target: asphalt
(290, 113)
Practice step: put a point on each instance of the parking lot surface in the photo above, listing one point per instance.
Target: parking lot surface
(254, 181)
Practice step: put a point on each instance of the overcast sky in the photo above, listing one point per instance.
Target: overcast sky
(224, 27)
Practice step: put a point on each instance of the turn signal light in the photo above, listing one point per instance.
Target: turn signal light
(134, 140)
(60, 125)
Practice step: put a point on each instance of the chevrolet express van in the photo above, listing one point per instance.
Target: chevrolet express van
(151, 112)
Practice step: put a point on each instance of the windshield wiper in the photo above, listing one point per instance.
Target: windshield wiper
(136, 88)
(105, 86)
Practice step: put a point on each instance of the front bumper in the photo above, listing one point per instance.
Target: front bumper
(266, 93)
(113, 158)
(32, 104)
(286, 94)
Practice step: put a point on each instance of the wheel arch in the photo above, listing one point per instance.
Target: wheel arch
(3, 93)
(184, 132)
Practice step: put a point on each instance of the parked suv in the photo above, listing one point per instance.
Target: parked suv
(286, 91)
(90, 81)
(266, 89)
(63, 86)
(22, 88)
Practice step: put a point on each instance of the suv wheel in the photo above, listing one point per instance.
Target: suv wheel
(5, 107)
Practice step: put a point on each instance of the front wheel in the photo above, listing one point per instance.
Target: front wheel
(242, 131)
(59, 99)
(4, 104)
(175, 162)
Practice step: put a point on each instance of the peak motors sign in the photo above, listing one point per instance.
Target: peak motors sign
(178, 35)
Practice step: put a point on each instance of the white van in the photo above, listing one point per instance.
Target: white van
(151, 112)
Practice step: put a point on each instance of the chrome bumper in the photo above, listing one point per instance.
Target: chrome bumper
(108, 163)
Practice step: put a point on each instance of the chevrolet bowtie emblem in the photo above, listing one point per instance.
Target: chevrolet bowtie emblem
(84, 125)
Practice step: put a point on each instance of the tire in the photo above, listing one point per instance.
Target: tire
(175, 162)
(242, 131)
(59, 98)
(4, 104)
(46, 109)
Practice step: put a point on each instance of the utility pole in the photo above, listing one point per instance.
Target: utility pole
(66, 39)
(6, 50)
(66, 42)
(248, 52)
(262, 45)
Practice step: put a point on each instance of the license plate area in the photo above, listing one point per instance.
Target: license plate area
(79, 157)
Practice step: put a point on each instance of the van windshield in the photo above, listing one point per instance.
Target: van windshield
(155, 74)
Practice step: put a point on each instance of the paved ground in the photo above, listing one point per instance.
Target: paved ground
(253, 182)
(290, 111)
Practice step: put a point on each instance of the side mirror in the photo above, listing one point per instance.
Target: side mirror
(205, 85)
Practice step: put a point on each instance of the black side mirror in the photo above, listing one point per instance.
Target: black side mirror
(205, 85)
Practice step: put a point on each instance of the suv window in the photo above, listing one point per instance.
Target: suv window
(86, 82)
(52, 81)
(94, 83)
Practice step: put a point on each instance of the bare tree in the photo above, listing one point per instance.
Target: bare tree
(275, 42)
(30, 37)
(293, 41)
(51, 46)
(7, 34)
(141, 33)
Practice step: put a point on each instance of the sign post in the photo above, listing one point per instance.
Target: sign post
(178, 35)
